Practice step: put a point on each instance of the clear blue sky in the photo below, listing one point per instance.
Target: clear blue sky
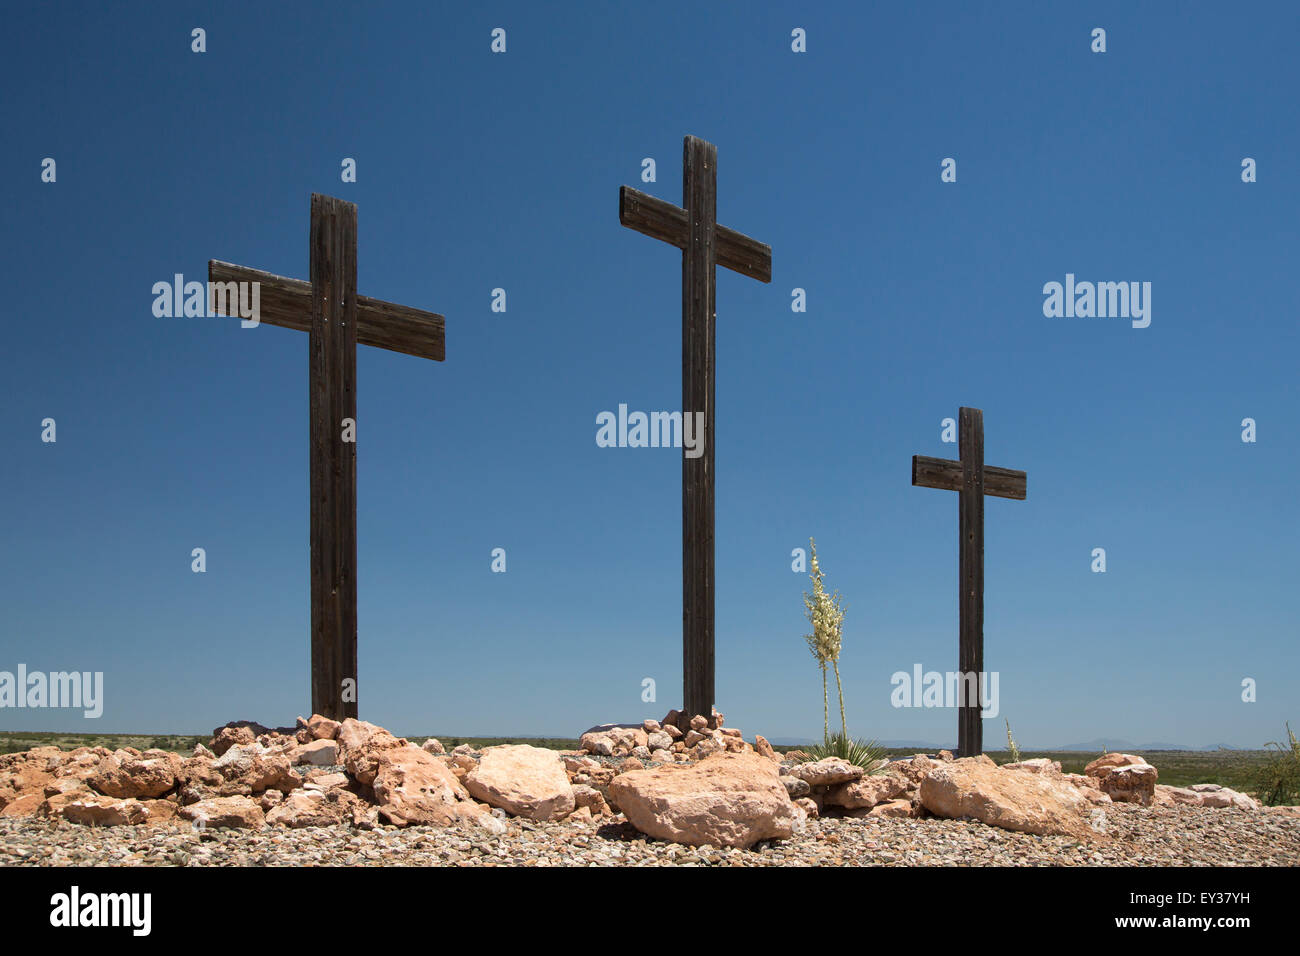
(478, 171)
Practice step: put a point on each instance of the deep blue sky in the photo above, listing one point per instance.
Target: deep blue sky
(478, 171)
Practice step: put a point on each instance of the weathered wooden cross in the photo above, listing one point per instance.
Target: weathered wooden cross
(336, 319)
(693, 228)
(972, 479)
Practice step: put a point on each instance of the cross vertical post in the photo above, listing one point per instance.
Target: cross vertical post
(693, 228)
(972, 480)
(699, 313)
(332, 345)
(336, 320)
(970, 448)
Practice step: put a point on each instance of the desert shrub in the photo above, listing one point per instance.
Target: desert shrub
(1277, 779)
(861, 753)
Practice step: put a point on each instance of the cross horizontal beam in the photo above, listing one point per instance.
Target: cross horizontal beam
(945, 474)
(287, 303)
(662, 220)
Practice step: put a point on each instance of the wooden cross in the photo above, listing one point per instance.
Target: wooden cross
(693, 228)
(972, 479)
(336, 320)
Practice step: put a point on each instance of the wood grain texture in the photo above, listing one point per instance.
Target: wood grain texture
(699, 199)
(970, 444)
(662, 220)
(332, 346)
(945, 474)
(287, 303)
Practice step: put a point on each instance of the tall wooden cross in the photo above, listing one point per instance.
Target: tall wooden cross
(972, 479)
(693, 228)
(336, 320)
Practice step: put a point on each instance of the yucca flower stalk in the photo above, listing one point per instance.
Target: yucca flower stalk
(826, 615)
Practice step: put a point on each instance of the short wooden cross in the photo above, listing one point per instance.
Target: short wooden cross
(972, 479)
(693, 228)
(336, 320)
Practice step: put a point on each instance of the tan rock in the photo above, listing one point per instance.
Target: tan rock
(227, 737)
(361, 745)
(896, 809)
(97, 810)
(725, 800)
(611, 740)
(150, 775)
(413, 787)
(433, 746)
(524, 781)
(319, 753)
(322, 728)
(1035, 765)
(827, 772)
(809, 806)
(246, 769)
(160, 811)
(313, 808)
(320, 780)
(234, 811)
(867, 791)
(764, 749)
(592, 799)
(919, 766)
(1128, 783)
(1107, 762)
(25, 804)
(1213, 795)
(1026, 802)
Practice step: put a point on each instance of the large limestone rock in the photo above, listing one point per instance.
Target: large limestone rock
(724, 800)
(235, 811)
(361, 745)
(95, 810)
(412, 786)
(247, 769)
(151, 774)
(1124, 778)
(975, 787)
(524, 781)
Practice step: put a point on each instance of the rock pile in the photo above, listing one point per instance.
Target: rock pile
(686, 779)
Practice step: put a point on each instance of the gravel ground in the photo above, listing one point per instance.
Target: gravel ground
(1173, 836)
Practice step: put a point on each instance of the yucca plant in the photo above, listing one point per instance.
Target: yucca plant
(826, 615)
(861, 753)
(1011, 743)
